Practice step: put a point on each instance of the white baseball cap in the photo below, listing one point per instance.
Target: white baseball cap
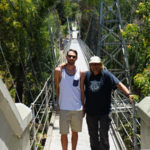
(95, 59)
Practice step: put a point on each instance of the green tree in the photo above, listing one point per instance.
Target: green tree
(139, 47)
(27, 45)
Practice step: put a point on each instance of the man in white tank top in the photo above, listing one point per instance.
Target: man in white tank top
(70, 94)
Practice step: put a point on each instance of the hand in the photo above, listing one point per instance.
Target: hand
(63, 65)
(133, 98)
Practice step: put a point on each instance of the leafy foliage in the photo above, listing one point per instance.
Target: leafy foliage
(142, 82)
(139, 48)
(27, 45)
(30, 31)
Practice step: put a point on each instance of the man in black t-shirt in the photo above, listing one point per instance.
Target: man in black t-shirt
(99, 84)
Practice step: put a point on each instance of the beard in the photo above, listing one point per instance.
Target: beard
(71, 62)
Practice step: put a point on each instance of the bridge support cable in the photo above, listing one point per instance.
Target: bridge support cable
(79, 32)
(68, 25)
(52, 43)
(88, 29)
(68, 43)
(117, 136)
(66, 47)
(86, 51)
(112, 50)
(9, 72)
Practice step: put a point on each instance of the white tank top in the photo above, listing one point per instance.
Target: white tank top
(69, 93)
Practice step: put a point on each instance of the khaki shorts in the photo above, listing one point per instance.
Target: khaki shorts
(70, 118)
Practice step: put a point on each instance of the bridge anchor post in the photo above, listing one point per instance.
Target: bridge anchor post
(143, 109)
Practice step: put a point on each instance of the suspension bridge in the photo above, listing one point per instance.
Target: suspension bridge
(40, 121)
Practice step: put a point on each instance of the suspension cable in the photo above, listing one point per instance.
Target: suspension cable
(9, 72)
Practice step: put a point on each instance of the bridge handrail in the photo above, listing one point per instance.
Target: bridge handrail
(43, 106)
(33, 103)
(67, 46)
(41, 109)
(87, 51)
(125, 118)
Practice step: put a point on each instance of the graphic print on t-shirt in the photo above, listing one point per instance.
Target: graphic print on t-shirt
(95, 85)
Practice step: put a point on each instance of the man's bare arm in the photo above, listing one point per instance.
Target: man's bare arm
(57, 77)
(82, 87)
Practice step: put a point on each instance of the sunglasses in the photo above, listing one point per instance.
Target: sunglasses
(95, 64)
(71, 56)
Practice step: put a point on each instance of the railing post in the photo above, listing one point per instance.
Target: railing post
(33, 128)
(53, 94)
(117, 121)
(68, 28)
(47, 110)
(79, 37)
(116, 112)
(134, 127)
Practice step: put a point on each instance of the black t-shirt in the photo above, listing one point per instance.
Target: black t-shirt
(98, 92)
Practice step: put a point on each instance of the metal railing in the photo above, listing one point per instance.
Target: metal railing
(126, 122)
(86, 50)
(42, 108)
(67, 45)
